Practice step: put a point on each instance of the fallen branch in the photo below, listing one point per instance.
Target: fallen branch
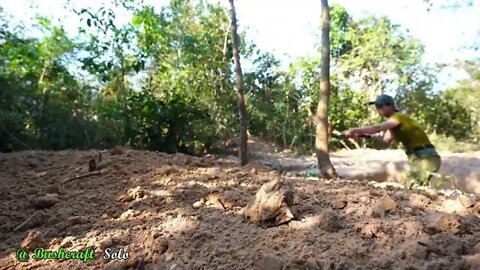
(18, 141)
(85, 175)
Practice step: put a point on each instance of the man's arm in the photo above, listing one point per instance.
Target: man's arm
(387, 125)
(382, 142)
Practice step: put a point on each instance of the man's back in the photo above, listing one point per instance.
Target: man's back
(409, 132)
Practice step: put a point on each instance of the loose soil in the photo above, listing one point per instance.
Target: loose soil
(173, 211)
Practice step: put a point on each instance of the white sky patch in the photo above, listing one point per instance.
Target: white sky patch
(290, 28)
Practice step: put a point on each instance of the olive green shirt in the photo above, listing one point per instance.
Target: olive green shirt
(409, 132)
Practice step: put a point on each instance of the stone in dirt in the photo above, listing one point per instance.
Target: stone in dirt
(415, 249)
(383, 206)
(33, 240)
(466, 201)
(72, 221)
(54, 220)
(216, 200)
(136, 193)
(46, 201)
(387, 203)
(106, 243)
(117, 150)
(440, 222)
(329, 221)
(455, 205)
(129, 213)
(472, 261)
(269, 262)
(155, 247)
(67, 242)
(338, 205)
(444, 264)
(273, 202)
(476, 249)
(447, 244)
(116, 265)
(197, 204)
(166, 170)
(419, 201)
(52, 189)
(370, 229)
(54, 243)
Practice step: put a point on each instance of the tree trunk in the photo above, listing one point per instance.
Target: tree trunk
(321, 141)
(240, 97)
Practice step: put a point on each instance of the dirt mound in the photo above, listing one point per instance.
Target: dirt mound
(184, 212)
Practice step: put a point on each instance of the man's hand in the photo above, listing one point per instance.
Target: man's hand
(352, 133)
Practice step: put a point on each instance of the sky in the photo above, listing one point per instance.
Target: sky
(290, 28)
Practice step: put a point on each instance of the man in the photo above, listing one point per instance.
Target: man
(422, 155)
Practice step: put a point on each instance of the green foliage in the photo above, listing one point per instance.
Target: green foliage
(165, 82)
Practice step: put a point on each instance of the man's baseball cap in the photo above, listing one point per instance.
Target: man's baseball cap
(383, 100)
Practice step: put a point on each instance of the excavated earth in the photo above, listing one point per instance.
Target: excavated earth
(173, 211)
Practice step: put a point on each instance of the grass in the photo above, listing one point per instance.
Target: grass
(444, 143)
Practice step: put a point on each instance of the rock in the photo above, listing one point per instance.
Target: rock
(197, 204)
(72, 221)
(176, 267)
(415, 249)
(106, 243)
(54, 220)
(412, 229)
(35, 220)
(466, 201)
(476, 248)
(419, 201)
(387, 203)
(115, 265)
(67, 242)
(61, 226)
(161, 246)
(124, 199)
(156, 234)
(448, 244)
(377, 211)
(128, 214)
(33, 240)
(452, 206)
(440, 222)
(136, 193)
(214, 173)
(46, 201)
(329, 221)
(273, 201)
(55, 242)
(269, 262)
(166, 170)
(157, 266)
(472, 261)
(443, 264)
(370, 229)
(117, 150)
(338, 205)
(312, 264)
(52, 189)
(383, 206)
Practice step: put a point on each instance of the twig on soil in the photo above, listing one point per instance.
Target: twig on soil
(16, 139)
(85, 175)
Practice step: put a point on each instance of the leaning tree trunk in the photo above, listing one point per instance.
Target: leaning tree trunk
(240, 97)
(321, 141)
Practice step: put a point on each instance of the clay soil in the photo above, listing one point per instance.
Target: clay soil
(183, 212)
